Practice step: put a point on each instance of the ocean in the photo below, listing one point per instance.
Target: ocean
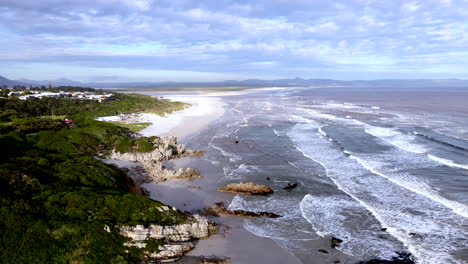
(383, 169)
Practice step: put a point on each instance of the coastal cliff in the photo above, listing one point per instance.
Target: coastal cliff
(160, 149)
(151, 150)
(177, 239)
(161, 243)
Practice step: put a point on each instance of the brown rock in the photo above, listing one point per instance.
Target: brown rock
(247, 188)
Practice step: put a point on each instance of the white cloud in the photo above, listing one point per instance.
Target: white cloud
(220, 35)
(411, 7)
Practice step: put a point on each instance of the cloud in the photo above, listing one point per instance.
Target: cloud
(225, 37)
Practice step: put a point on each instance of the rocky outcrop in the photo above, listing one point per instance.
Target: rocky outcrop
(165, 148)
(247, 188)
(290, 186)
(198, 227)
(335, 242)
(158, 173)
(218, 209)
(152, 169)
(178, 239)
(401, 258)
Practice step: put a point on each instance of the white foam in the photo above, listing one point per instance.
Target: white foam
(403, 212)
(276, 132)
(448, 162)
(394, 137)
(232, 157)
(240, 172)
(277, 228)
(417, 185)
(322, 132)
(336, 216)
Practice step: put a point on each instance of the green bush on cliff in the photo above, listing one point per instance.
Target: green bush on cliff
(142, 144)
(55, 197)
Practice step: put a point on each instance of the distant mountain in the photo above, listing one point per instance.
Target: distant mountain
(251, 83)
(4, 81)
(255, 83)
(58, 82)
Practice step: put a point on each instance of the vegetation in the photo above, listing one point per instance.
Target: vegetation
(135, 127)
(142, 144)
(55, 197)
(89, 109)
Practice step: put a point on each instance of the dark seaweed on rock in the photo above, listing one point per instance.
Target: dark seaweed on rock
(218, 209)
(402, 258)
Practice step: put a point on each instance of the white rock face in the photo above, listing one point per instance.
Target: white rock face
(159, 174)
(200, 227)
(167, 148)
(172, 252)
(178, 237)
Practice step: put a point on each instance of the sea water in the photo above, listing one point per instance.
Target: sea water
(383, 169)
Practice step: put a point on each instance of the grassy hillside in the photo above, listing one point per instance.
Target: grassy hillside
(55, 196)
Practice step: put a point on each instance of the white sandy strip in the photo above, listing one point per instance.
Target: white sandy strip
(182, 123)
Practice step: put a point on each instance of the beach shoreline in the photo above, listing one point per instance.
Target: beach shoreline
(194, 196)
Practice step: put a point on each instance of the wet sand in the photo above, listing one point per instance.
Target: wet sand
(237, 243)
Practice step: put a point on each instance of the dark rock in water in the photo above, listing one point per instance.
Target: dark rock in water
(402, 258)
(337, 262)
(335, 242)
(218, 209)
(237, 141)
(383, 229)
(268, 178)
(323, 251)
(290, 186)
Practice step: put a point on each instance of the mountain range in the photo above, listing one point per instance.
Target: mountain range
(254, 83)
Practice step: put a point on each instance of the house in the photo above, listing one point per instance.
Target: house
(68, 121)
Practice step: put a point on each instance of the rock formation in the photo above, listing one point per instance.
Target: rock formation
(178, 239)
(218, 209)
(174, 241)
(290, 186)
(247, 188)
(165, 148)
(158, 173)
(335, 242)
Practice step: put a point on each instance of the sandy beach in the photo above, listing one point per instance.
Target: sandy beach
(203, 110)
(198, 194)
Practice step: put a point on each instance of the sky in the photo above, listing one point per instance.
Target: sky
(213, 40)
